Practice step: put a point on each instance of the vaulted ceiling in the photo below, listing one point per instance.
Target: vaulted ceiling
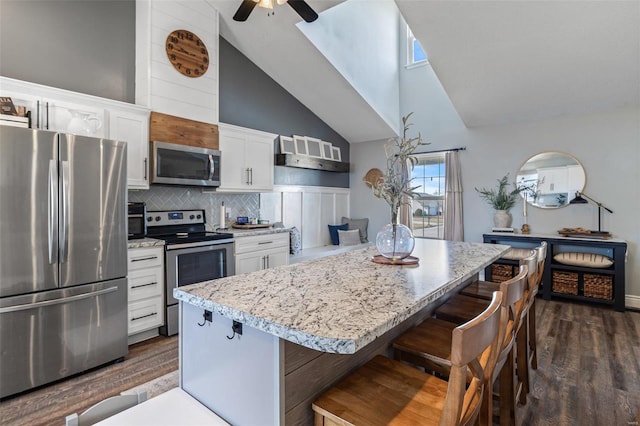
(500, 62)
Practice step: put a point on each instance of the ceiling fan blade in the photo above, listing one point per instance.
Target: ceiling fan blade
(304, 10)
(244, 10)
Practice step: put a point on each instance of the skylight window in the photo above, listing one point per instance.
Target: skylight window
(415, 53)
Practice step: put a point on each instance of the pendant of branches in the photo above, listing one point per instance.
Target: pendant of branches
(395, 185)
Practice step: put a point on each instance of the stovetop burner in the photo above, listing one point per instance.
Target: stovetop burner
(193, 237)
(181, 226)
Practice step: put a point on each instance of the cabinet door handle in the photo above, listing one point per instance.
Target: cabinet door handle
(144, 285)
(144, 316)
(268, 262)
(37, 114)
(145, 168)
(140, 259)
(47, 114)
(248, 181)
(251, 175)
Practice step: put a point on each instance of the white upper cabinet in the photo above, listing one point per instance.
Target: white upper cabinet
(132, 125)
(246, 163)
(76, 113)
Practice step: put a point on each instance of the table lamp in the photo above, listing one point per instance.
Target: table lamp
(580, 200)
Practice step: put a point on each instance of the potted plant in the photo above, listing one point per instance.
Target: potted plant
(395, 241)
(501, 199)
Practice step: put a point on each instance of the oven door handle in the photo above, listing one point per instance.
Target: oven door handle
(171, 247)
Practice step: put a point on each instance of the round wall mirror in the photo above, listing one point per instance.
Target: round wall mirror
(551, 179)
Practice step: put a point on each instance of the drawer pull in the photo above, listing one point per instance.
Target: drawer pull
(265, 242)
(144, 285)
(144, 316)
(140, 259)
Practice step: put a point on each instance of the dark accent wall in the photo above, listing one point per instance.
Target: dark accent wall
(85, 46)
(250, 98)
(88, 46)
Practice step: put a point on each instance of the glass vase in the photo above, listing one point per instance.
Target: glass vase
(395, 241)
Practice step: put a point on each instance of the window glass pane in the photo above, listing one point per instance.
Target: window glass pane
(418, 53)
(428, 207)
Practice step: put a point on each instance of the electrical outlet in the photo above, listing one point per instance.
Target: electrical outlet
(237, 327)
(208, 316)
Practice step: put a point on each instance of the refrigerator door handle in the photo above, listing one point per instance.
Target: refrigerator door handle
(52, 212)
(64, 226)
(57, 301)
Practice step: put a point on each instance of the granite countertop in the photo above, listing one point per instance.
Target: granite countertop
(341, 303)
(145, 242)
(237, 233)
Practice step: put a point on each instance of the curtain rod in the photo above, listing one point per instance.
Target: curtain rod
(462, 148)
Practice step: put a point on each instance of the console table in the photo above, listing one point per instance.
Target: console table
(599, 285)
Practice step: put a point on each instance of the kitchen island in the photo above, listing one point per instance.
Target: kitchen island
(308, 324)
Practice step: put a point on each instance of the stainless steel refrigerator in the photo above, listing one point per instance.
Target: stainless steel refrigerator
(63, 255)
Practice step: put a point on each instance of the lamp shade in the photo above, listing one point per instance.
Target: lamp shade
(578, 199)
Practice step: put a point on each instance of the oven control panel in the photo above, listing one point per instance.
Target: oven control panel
(175, 217)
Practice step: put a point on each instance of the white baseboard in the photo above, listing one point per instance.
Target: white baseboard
(632, 302)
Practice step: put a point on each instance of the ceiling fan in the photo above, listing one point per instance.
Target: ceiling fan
(300, 6)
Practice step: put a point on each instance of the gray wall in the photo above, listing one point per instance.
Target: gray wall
(86, 46)
(250, 98)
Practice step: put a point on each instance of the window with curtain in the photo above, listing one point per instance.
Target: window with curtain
(428, 208)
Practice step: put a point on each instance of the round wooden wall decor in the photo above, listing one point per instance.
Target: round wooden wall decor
(372, 177)
(187, 53)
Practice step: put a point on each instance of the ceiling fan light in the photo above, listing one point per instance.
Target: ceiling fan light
(267, 4)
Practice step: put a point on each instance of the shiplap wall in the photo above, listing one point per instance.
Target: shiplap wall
(158, 84)
(308, 208)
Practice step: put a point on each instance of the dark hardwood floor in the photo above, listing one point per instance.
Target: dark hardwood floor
(49, 405)
(588, 373)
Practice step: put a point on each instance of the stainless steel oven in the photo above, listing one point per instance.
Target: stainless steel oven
(191, 255)
(137, 226)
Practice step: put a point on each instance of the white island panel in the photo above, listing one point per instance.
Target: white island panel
(239, 378)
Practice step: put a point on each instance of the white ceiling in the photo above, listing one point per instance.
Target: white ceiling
(279, 48)
(500, 62)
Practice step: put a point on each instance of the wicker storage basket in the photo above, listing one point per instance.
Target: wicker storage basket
(500, 273)
(598, 286)
(565, 282)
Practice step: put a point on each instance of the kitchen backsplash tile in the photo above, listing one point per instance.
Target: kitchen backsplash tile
(177, 197)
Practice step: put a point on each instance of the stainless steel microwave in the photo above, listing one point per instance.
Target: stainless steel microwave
(175, 164)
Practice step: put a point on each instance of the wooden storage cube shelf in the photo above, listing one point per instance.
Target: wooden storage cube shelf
(501, 272)
(565, 282)
(575, 282)
(598, 286)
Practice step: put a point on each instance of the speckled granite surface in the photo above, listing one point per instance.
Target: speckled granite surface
(145, 242)
(341, 303)
(257, 231)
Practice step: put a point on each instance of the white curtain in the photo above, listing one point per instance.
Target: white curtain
(453, 228)
(404, 212)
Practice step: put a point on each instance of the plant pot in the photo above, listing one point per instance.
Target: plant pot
(395, 241)
(501, 219)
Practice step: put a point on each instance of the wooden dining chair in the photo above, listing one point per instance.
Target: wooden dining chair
(428, 345)
(388, 392)
(527, 355)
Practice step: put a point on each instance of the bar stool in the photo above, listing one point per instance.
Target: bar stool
(428, 345)
(526, 340)
(388, 392)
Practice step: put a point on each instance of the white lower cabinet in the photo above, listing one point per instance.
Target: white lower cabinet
(258, 252)
(146, 292)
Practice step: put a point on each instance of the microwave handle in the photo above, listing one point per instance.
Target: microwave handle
(212, 167)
